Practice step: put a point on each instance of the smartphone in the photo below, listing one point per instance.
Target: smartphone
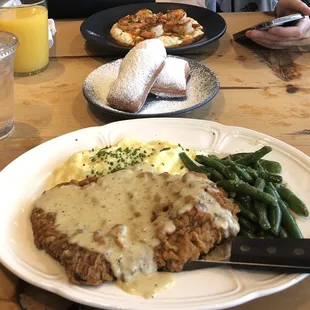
(285, 21)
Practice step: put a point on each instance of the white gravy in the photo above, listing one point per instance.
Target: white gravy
(115, 215)
(147, 285)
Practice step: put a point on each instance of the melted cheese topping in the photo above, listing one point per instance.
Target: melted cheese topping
(115, 214)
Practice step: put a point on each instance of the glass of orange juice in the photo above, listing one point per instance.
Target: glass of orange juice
(29, 22)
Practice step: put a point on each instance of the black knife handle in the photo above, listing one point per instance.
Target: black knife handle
(272, 268)
(289, 252)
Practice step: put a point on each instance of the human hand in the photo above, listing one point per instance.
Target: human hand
(283, 37)
(287, 7)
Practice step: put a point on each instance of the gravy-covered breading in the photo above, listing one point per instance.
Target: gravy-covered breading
(131, 222)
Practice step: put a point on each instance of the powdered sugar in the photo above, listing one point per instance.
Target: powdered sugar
(137, 70)
(162, 95)
(98, 83)
(202, 86)
(172, 78)
(198, 90)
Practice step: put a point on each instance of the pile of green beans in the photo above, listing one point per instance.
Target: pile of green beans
(267, 206)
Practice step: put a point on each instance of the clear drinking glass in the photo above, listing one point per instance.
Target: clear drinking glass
(29, 22)
(8, 45)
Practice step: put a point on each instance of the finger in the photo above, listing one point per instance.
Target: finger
(273, 42)
(284, 32)
(299, 6)
(292, 6)
(266, 35)
(279, 44)
(261, 39)
(300, 31)
(304, 26)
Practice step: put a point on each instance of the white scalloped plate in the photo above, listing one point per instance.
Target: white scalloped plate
(214, 288)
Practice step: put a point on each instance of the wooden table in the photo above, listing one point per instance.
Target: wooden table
(262, 90)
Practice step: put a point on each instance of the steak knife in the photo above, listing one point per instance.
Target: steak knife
(275, 255)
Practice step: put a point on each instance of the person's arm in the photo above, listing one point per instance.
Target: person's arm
(58, 9)
(283, 37)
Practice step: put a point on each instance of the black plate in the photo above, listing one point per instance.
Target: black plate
(97, 27)
(202, 87)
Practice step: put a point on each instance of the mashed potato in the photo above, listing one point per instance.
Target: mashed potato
(161, 155)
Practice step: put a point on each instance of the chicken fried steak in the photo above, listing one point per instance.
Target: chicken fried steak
(131, 221)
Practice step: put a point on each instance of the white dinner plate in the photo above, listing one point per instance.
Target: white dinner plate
(213, 288)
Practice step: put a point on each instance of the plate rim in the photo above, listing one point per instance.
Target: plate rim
(137, 115)
(114, 47)
(251, 295)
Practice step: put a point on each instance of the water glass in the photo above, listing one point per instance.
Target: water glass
(8, 45)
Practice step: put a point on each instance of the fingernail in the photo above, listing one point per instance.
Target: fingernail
(248, 33)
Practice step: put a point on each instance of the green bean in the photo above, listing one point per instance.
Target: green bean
(294, 203)
(242, 173)
(215, 176)
(236, 156)
(269, 177)
(244, 188)
(211, 163)
(260, 207)
(261, 212)
(232, 195)
(275, 213)
(268, 165)
(212, 174)
(264, 234)
(275, 216)
(246, 233)
(260, 184)
(214, 157)
(246, 213)
(246, 224)
(288, 220)
(282, 233)
(271, 166)
(230, 174)
(257, 166)
(253, 157)
(245, 201)
(192, 166)
(252, 172)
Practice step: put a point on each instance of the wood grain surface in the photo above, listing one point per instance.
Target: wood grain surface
(264, 90)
